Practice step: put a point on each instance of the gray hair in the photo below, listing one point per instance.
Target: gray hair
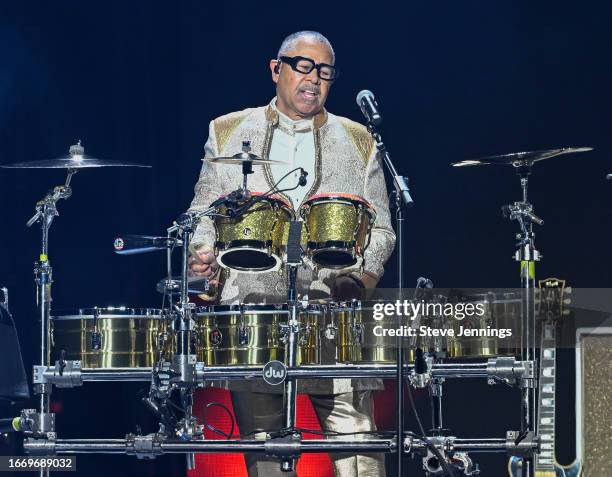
(292, 40)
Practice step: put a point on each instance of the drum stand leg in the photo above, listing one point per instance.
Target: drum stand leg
(435, 394)
(291, 350)
(527, 256)
(184, 362)
(42, 272)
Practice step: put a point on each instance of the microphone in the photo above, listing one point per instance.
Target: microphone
(132, 244)
(302, 180)
(369, 107)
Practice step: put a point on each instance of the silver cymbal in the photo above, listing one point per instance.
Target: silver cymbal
(518, 159)
(241, 158)
(76, 159)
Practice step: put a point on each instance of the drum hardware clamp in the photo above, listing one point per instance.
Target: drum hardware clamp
(509, 371)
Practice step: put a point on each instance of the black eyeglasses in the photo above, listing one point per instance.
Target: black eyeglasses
(306, 65)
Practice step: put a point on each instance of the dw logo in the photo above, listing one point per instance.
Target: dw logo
(119, 244)
(274, 373)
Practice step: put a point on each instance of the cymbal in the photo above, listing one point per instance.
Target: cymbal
(69, 163)
(76, 159)
(241, 158)
(520, 158)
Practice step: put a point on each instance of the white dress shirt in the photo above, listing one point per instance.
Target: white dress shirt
(293, 143)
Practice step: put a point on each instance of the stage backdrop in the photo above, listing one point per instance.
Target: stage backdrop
(140, 81)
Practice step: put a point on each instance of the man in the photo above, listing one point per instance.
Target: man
(339, 156)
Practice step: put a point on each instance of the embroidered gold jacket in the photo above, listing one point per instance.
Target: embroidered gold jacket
(346, 161)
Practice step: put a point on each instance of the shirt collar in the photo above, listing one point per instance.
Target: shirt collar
(291, 125)
(286, 123)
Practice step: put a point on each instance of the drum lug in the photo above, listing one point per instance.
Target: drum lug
(305, 334)
(161, 339)
(331, 331)
(96, 340)
(357, 333)
(243, 336)
(284, 332)
(216, 337)
(356, 231)
(96, 337)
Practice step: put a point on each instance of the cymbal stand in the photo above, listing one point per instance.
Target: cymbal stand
(183, 367)
(46, 211)
(402, 201)
(247, 168)
(184, 361)
(527, 255)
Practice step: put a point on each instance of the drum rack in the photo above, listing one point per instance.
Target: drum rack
(185, 373)
(68, 374)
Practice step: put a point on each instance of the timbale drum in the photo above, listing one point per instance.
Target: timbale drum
(228, 335)
(109, 337)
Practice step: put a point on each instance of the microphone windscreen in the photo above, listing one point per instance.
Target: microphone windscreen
(362, 94)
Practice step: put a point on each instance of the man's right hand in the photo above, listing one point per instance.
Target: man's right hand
(203, 263)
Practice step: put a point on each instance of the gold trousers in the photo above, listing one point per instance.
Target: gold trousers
(348, 412)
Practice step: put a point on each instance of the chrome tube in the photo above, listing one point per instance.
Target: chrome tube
(213, 373)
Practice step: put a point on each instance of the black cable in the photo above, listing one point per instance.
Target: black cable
(254, 200)
(215, 429)
(281, 179)
(301, 430)
(268, 193)
(174, 405)
(414, 410)
(338, 433)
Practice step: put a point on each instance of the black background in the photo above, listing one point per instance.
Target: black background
(139, 81)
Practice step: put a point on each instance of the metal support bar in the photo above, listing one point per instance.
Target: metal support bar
(503, 369)
(154, 445)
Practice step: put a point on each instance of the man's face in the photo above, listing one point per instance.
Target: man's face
(302, 95)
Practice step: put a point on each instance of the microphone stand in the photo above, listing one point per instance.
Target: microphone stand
(402, 201)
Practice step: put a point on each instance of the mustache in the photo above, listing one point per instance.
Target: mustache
(315, 88)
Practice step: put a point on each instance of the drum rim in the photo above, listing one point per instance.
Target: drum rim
(338, 195)
(357, 259)
(105, 313)
(256, 308)
(274, 268)
(271, 198)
